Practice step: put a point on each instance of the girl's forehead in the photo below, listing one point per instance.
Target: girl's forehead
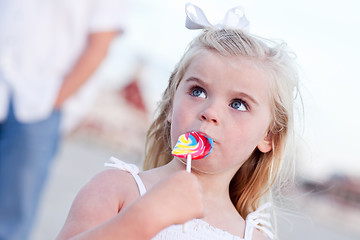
(208, 61)
(233, 60)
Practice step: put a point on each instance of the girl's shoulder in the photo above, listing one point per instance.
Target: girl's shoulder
(110, 190)
(118, 185)
(99, 200)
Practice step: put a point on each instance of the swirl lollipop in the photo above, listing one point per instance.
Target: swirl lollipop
(192, 145)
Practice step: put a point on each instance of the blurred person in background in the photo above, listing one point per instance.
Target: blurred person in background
(48, 51)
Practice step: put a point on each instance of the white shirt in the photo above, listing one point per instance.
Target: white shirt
(40, 40)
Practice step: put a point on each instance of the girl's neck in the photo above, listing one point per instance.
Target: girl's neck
(214, 186)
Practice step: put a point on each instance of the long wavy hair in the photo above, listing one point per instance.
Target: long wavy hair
(254, 179)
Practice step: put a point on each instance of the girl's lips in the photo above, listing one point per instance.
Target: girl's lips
(206, 135)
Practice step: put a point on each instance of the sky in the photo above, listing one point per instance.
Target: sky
(324, 35)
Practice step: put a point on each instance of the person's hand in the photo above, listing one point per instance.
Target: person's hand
(176, 199)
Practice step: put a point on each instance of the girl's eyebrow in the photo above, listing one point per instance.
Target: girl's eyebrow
(233, 92)
(245, 95)
(197, 80)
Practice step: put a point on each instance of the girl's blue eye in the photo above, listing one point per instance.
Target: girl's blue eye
(239, 105)
(198, 92)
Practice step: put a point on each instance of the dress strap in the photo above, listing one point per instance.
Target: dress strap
(128, 167)
(260, 220)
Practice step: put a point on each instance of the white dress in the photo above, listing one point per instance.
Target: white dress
(198, 229)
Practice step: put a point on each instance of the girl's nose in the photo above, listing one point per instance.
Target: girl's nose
(210, 114)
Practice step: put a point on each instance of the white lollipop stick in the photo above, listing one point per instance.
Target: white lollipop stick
(188, 163)
(188, 169)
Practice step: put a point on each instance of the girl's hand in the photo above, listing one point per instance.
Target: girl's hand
(177, 198)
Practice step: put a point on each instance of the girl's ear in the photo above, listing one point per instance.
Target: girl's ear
(266, 144)
(169, 116)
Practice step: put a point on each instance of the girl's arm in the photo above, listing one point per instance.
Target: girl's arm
(172, 201)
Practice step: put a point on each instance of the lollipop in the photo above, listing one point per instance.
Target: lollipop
(192, 145)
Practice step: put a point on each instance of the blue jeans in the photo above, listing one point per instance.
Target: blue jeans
(26, 153)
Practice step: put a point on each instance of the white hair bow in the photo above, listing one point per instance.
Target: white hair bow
(234, 18)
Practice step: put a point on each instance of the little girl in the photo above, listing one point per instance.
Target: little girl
(232, 87)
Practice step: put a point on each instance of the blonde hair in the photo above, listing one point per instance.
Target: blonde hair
(254, 179)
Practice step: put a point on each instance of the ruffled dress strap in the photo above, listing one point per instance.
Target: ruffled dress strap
(260, 220)
(128, 167)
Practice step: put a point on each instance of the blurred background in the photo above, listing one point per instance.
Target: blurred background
(325, 37)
